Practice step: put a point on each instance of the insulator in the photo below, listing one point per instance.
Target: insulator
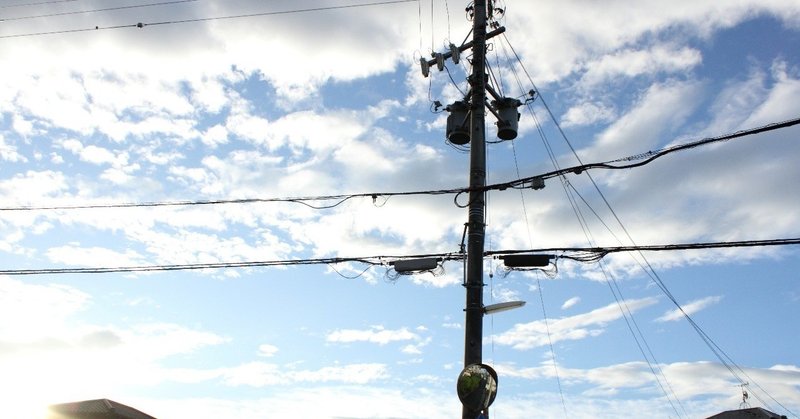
(455, 54)
(440, 61)
(426, 68)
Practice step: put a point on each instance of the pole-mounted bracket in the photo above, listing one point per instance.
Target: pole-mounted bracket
(454, 53)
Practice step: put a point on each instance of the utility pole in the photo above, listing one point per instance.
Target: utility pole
(473, 326)
(477, 383)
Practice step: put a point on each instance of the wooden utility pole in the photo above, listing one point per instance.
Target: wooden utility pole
(473, 327)
(460, 131)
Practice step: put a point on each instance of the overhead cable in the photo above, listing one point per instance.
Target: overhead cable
(647, 157)
(38, 3)
(368, 260)
(519, 183)
(574, 253)
(141, 25)
(602, 251)
(107, 9)
(307, 201)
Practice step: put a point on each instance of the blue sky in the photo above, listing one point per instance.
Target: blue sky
(332, 102)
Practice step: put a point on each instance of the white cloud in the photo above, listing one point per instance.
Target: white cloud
(33, 186)
(661, 107)
(570, 37)
(259, 374)
(75, 255)
(44, 335)
(215, 135)
(587, 113)
(570, 303)
(779, 104)
(9, 152)
(534, 334)
(97, 155)
(686, 379)
(376, 334)
(631, 63)
(30, 312)
(416, 348)
(689, 308)
(267, 350)
(363, 401)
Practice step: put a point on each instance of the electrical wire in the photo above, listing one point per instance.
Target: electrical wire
(539, 286)
(713, 346)
(384, 260)
(602, 251)
(447, 11)
(650, 156)
(207, 19)
(9, 6)
(610, 280)
(517, 184)
(550, 344)
(432, 27)
(718, 352)
(340, 199)
(571, 253)
(107, 9)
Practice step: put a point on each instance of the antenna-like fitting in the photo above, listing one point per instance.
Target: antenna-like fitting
(744, 404)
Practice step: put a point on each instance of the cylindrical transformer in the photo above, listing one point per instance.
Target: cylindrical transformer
(457, 127)
(509, 117)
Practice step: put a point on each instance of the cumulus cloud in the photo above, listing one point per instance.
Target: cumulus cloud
(525, 336)
(267, 350)
(375, 334)
(259, 374)
(570, 303)
(689, 309)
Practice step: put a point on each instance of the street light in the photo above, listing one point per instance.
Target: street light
(508, 305)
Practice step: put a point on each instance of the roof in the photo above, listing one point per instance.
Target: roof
(751, 413)
(95, 409)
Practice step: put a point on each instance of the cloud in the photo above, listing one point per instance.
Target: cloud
(376, 334)
(688, 381)
(346, 401)
(714, 393)
(661, 107)
(416, 348)
(631, 63)
(525, 336)
(570, 303)
(587, 113)
(75, 255)
(30, 312)
(267, 350)
(570, 37)
(689, 309)
(8, 152)
(259, 374)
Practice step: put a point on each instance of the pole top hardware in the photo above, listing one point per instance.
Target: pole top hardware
(454, 53)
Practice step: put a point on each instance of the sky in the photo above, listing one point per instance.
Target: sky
(265, 100)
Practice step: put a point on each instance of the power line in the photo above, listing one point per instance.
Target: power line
(580, 254)
(650, 156)
(627, 314)
(649, 270)
(107, 9)
(368, 260)
(519, 183)
(207, 19)
(299, 200)
(9, 6)
(598, 252)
